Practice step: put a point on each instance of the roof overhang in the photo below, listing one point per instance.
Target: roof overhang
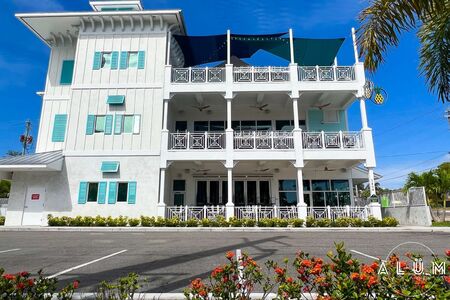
(128, 4)
(38, 162)
(44, 25)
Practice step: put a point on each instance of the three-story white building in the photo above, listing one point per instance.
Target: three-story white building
(131, 125)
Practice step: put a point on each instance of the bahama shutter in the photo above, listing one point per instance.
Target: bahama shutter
(132, 192)
(141, 59)
(97, 61)
(118, 124)
(82, 192)
(90, 124)
(114, 60)
(67, 72)
(108, 124)
(102, 192)
(59, 128)
(123, 60)
(112, 193)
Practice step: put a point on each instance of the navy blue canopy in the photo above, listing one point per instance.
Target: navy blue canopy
(199, 50)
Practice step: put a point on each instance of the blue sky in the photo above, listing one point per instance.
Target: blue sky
(410, 132)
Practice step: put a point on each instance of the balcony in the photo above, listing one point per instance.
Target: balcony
(263, 74)
(265, 140)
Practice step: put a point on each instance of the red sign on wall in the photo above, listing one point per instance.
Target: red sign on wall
(35, 196)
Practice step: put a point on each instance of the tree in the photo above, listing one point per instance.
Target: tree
(5, 187)
(436, 183)
(13, 153)
(384, 20)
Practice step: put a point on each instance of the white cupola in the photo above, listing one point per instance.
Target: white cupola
(116, 5)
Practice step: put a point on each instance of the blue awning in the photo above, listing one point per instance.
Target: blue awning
(115, 100)
(110, 166)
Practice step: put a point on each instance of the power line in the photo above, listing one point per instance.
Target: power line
(414, 165)
(391, 178)
(410, 154)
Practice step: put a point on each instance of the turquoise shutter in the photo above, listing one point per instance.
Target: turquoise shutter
(123, 60)
(102, 192)
(112, 193)
(97, 61)
(114, 60)
(90, 125)
(67, 72)
(108, 124)
(132, 192)
(118, 124)
(82, 193)
(59, 128)
(141, 59)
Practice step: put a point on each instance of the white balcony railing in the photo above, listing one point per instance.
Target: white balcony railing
(263, 140)
(261, 74)
(334, 212)
(197, 140)
(333, 140)
(198, 75)
(328, 73)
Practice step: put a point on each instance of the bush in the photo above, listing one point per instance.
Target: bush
(160, 222)
(147, 221)
(192, 223)
(323, 222)
(112, 222)
(173, 222)
(100, 221)
(133, 222)
(125, 288)
(342, 222)
(296, 222)
(389, 222)
(266, 222)
(235, 222)
(205, 222)
(311, 222)
(356, 222)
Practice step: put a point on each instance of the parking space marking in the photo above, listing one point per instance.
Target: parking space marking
(10, 250)
(366, 255)
(86, 264)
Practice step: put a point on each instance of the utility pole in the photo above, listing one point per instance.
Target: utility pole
(26, 139)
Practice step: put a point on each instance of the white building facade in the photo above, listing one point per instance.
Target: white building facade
(126, 129)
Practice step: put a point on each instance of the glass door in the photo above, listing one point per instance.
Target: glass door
(251, 193)
(239, 194)
(214, 193)
(264, 192)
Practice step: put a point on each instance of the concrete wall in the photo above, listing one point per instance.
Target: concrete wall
(62, 188)
(409, 215)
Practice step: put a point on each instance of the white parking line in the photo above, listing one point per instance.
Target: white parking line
(366, 255)
(86, 264)
(10, 250)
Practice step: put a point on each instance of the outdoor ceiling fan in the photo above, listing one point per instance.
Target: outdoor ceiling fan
(326, 169)
(262, 170)
(261, 107)
(201, 170)
(201, 108)
(321, 106)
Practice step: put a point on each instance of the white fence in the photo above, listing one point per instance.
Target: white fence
(333, 140)
(3, 206)
(263, 140)
(197, 140)
(415, 196)
(259, 212)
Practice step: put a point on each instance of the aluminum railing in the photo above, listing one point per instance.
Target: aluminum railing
(198, 75)
(263, 140)
(195, 212)
(261, 74)
(196, 140)
(326, 73)
(334, 212)
(333, 140)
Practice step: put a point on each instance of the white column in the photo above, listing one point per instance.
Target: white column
(301, 205)
(228, 114)
(165, 113)
(362, 108)
(230, 204)
(161, 204)
(371, 182)
(355, 46)
(295, 109)
(169, 37)
(291, 45)
(228, 47)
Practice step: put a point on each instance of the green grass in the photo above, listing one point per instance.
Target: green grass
(441, 224)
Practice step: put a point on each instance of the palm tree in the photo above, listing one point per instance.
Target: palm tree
(384, 20)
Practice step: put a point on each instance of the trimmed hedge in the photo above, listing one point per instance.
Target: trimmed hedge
(219, 221)
(2, 220)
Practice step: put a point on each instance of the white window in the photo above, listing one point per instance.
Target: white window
(330, 116)
(100, 123)
(132, 59)
(106, 60)
(131, 124)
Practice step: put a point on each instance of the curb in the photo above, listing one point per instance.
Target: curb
(222, 229)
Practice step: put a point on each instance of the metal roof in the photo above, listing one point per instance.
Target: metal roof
(43, 158)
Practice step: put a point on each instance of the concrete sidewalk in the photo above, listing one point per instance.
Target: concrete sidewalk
(226, 229)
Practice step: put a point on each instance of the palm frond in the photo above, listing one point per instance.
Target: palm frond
(434, 36)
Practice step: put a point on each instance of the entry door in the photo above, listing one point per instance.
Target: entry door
(239, 193)
(251, 193)
(34, 206)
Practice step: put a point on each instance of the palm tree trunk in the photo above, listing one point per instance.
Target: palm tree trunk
(445, 206)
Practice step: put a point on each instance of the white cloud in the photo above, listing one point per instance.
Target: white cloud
(39, 5)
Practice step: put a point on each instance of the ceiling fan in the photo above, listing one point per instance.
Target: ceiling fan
(321, 106)
(201, 170)
(261, 107)
(201, 107)
(262, 170)
(326, 169)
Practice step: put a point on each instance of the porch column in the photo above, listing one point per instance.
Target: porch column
(301, 205)
(230, 204)
(295, 109)
(165, 113)
(229, 135)
(371, 182)
(375, 207)
(161, 204)
(362, 108)
(291, 45)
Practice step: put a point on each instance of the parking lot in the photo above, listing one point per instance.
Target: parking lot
(169, 260)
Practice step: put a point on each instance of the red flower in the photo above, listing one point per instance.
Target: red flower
(30, 282)
(289, 280)
(354, 276)
(301, 271)
(9, 277)
(372, 281)
(419, 281)
(367, 269)
(203, 293)
(317, 269)
(350, 262)
(197, 283)
(76, 283)
(447, 252)
(319, 279)
(216, 271)
(24, 274)
(306, 289)
(447, 279)
(229, 255)
(374, 266)
(279, 271)
(306, 263)
(363, 277)
(20, 286)
(402, 264)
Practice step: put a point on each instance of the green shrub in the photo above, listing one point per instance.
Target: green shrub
(248, 222)
(311, 222)
(281, 222)
(205, 222)
(235, 222)
(222, 221)
(133, 222)
(122, 221)
(100, 221)
(389, 222)
(296, 222)
(172, 222)
(147, 221)
(192, 223)
(111, 222)
(323, 222)
(160, 222)
(88, 221)
(356, 222)
(266, 222)
(342, 222)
